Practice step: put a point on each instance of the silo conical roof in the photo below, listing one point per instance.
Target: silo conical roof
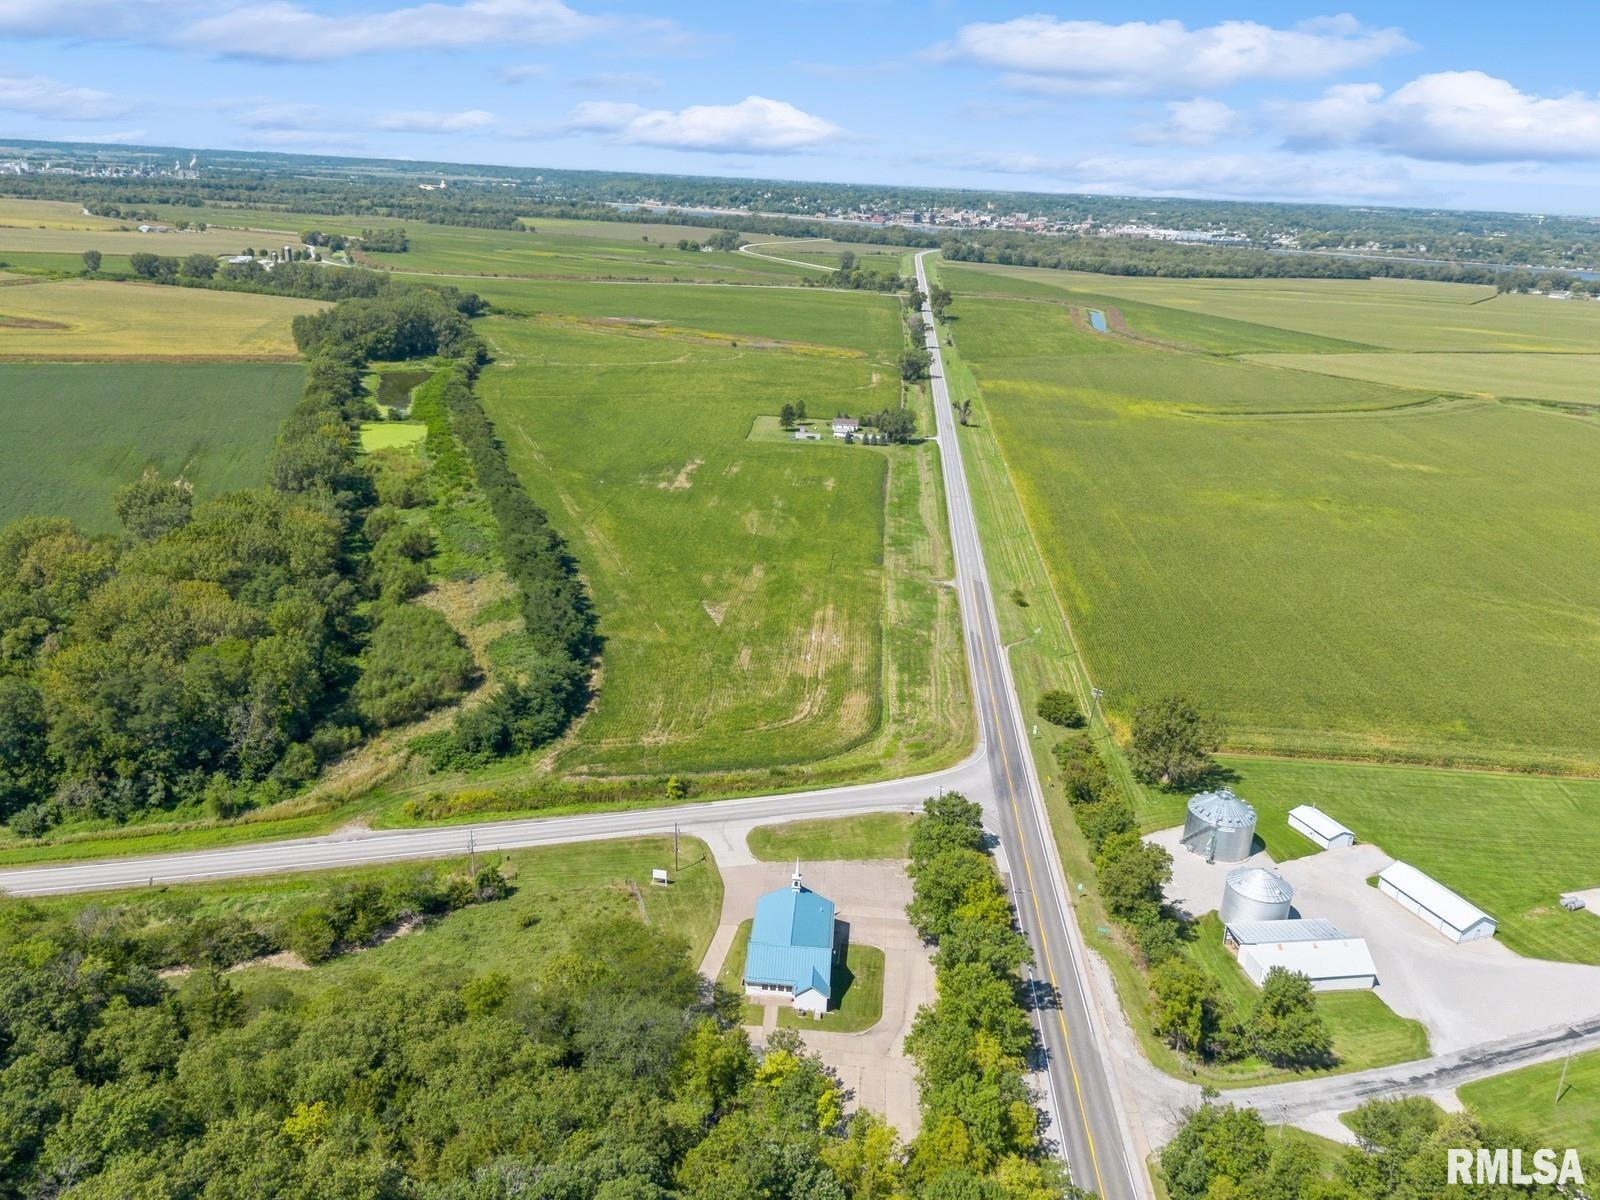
(1258, 883)
(1221, 809)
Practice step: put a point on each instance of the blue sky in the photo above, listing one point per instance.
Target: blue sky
(1455, 105)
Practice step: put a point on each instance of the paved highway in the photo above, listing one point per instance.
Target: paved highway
(1090, 1129)
(360, 847)
(1000, 773)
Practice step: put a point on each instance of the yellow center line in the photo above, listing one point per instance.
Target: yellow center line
(1044, 941)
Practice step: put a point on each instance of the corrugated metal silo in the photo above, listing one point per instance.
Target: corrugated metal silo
(1219, 826)
(1255, 894)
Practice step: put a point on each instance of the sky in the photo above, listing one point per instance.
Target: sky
(1458, 105)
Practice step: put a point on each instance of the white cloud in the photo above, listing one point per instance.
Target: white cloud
(1047, 55)
(755, 125)
(524, 71)
(1197, 122)
(436, 122)
(55, 101)
(619, 81)
(307, 139)
(1449, 116)
(282, 30)
(87, 18)
(1225, 176)
(272, 115)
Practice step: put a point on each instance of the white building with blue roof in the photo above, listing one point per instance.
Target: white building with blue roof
(792, 948)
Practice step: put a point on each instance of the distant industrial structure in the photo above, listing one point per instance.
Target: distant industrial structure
(1426, 898)
(1255, 894)
(1220, 826)
(1322, 829)
(1326, 955)
(792, 948)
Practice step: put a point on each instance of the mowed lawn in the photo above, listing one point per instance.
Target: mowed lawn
(863, 838)
(1512, 844)
(1329, 577)
(1527, 1099)
(1366, 1031)
(740, 584)
(72, 433)
(73, 319)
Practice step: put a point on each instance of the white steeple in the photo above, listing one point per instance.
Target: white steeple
(794, 880)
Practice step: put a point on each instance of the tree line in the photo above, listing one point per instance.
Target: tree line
(979, 1119)
(1401, 1151)
(1172, 742)
(1128, 256)
(217, 652)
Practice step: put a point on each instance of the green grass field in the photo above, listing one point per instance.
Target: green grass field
(1396, 314)
(857, 1002)
(86, 319)
(74, 433)
(761, 604)
(1566, 378)
(731, 974)
(869, 836)
(1366, 1033)
(391, 435)
(554, 886)
(1451, 824)
(1328, 578)
(1527, 1099)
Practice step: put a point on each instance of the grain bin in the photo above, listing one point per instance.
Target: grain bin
(1220, 826)
(1255, 894)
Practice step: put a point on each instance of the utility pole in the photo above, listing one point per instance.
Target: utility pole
(674, 847)
(472, 854)
(1561, 1085)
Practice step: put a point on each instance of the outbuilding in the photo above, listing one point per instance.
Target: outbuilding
(1320, 827)
(1457, 918)
(1329, 958)
(792, 949)
(1219, 826)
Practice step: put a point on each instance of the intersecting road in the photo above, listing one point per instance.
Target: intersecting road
(1000, 772)
(1081, 1089)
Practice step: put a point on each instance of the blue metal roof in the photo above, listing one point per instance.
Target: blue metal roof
(791, 941)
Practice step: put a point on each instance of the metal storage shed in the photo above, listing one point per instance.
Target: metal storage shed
(1339, 964)
(1455, 917)
(1320, 827)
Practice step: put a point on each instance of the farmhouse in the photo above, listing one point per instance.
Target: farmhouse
(1320, 827)
(845, 426)
(792, 948)
(1427, 898)
(1330, 958)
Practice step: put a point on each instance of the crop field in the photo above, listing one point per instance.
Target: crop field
(629, 252)
(71, 434)
(747, 610)
(1565, 378)
(1390, 314)
(74, 319)
(1333, 566)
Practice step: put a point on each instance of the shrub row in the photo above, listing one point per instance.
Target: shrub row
(970, 1044)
